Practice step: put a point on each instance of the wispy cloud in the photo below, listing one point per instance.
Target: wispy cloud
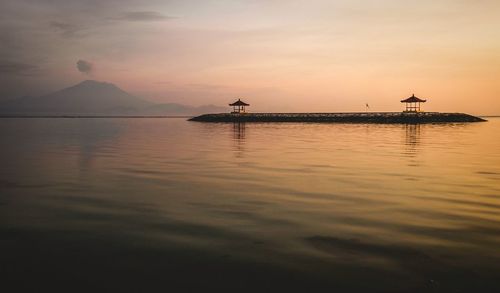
(205, 87)
(66, 29)
(163, 82)
(17, 68)
(143, 16)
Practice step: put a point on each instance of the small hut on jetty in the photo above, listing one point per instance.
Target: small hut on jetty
(413, 103)
(239, 106)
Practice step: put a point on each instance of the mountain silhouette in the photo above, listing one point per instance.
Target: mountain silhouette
(92, 97)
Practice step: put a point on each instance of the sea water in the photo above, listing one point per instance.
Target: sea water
(144, 204)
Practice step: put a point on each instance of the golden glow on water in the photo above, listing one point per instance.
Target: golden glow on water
(402, 200)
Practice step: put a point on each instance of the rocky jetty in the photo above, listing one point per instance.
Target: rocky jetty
(364, 117)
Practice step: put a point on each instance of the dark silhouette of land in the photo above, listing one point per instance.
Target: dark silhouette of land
(93, 98)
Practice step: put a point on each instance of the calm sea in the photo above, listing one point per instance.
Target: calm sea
(158, 205)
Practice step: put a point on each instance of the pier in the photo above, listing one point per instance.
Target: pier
(412, 114)
(353, 117)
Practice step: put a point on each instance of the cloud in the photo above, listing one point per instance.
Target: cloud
(17, 68)
(143, 16)
(84, 66)
(66, 29)
(204, 86)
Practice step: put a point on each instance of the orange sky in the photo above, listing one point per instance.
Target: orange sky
(278, 55)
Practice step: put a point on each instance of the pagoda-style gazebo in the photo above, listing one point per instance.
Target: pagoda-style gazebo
(239, 106)
(413, 104)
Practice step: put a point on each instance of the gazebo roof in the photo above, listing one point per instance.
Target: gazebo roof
(413, 99)
(239, 103)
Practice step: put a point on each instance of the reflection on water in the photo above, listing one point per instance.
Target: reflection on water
(239, 138)
(412, 141)
(412, 138)
(139, 204)
(239, 130)
(90, 141)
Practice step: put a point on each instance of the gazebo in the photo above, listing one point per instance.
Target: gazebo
(413, 104)
(239, 106)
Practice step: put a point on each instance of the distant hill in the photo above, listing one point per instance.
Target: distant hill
(97, 98)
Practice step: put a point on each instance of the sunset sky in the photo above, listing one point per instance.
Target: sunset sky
(279, 55)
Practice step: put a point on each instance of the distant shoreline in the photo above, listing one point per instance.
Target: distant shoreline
(179, 116)
(92, 116)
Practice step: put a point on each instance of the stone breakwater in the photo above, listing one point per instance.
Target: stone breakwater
(364, 117)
